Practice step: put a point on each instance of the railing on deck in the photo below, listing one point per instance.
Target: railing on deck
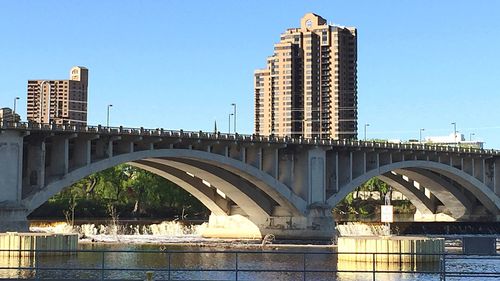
(232, 265)
(160, 132)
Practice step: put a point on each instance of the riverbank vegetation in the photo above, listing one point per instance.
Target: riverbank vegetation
(364, 203)
(126, 192)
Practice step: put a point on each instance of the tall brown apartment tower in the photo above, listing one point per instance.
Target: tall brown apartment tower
(59, 101)
(309, 87)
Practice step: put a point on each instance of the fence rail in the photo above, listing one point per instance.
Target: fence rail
(161, 132)
(231, 265)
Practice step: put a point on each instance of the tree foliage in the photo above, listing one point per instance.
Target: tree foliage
(133, 192)
(354, 205)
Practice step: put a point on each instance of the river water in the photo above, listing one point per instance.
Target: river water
(128, 257)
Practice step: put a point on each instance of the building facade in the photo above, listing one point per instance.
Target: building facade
(454, 139)
(59, 101)
(309, 87)
(7, 115)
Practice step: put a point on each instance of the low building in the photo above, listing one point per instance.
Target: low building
(453, 140)
(6, 114)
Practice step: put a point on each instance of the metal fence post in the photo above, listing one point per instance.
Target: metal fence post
(169, 265)
(304, 262)
(444, 266)
(236, 264)
(36, 265)
(102, 265)
(373, 266)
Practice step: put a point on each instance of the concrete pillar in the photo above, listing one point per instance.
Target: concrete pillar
(316, 176)
(80, 153)
(300, 174)
(123, 147)
(496, 176)
(286, 165)
(12, 214)
(488, 173)
(332, 172)
(59, 156)
(243, 154)
(467, 165)
(101, 149)
(344, 168)
(384, 158)
(34, 173)
(372, 160)
(270, 161)
(478, 169)
(11, 155)
(254, 156)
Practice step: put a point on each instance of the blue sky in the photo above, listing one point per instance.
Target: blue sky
(180, 64)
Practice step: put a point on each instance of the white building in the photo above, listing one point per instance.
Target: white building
(453, 140)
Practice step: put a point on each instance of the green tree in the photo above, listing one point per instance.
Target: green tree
(129, 190)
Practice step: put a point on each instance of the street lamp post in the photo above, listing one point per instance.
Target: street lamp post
(421, 130)
(107, 116)
(454, 131)
(470, 136)
(366, 125)
(234, 113)
(14, 109)
(229, 123)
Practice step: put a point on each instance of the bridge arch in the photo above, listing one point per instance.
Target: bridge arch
(416, 197)
(216, 204)
(483, 194)
(170, 160)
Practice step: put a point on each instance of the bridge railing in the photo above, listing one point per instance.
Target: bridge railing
(160, 132)
(238, 265)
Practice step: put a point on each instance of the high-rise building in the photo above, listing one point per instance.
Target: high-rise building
(59, 101)
(309, 87)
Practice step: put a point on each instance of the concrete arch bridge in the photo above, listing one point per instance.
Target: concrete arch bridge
(253, 185)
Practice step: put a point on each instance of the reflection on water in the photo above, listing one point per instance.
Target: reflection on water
(118, 265)
(14, 266)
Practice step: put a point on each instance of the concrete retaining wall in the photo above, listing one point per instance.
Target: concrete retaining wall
(390, 249)
(20, 244)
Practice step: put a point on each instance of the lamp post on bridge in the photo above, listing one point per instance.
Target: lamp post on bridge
(454, 131)
(470, 136)
(234, 113)
(421, 130)
(366, 125)
(14, 109)
(107, 116)
(229, 123)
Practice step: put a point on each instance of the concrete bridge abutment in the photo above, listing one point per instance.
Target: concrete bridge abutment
(12, 213)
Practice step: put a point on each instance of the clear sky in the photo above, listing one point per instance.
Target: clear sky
(180, 64)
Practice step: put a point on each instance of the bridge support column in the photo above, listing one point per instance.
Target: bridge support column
(12, 214)
(59, 154)
(317, 225)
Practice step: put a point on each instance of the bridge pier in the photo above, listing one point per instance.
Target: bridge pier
(318, 225)
(12, 214)
(13, 219)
